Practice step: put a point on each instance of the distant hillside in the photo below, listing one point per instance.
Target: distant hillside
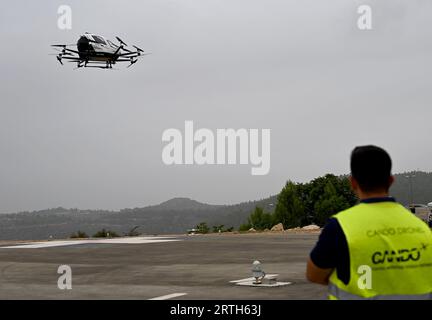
(421, 187)
(183, 204)
(173, 216)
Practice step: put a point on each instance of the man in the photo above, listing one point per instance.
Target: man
(376, 249)
(430, 218)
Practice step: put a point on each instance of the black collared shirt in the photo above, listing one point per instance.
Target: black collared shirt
(331, 251)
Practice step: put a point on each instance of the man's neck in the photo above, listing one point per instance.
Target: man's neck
(369, 195)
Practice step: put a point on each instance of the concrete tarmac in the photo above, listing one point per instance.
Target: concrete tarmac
(198, 267)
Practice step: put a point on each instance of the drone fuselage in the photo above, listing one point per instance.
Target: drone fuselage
(96, 48)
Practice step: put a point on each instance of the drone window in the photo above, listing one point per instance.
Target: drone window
(99, 39)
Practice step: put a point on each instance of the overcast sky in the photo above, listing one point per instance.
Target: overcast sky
(91, 138)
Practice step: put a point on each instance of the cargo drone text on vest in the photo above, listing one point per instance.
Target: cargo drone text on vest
(97, 52)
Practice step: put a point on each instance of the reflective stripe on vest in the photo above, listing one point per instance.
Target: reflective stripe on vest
(394, 245)
(345, 295)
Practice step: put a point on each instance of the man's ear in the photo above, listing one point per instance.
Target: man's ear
(354, 184)
(391, 180)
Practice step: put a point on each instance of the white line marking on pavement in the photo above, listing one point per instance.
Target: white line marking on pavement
(44, 245)
(132, 240)
(169, 296)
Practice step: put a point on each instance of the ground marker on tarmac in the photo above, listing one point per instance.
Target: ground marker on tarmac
(169, 296)
(268, 281)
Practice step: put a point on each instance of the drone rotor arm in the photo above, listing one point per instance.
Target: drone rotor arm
(128, 55)
(123, 60)
(73, 59)
(70, 50)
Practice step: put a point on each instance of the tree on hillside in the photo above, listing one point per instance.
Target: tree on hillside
(78, 234)
(245, 227)
(344, 188)
(259, 220)
(329, 193)
(219, 228)
(290, 210)
(330, 202)
(299, 204)
(203, 228)
(105, 234)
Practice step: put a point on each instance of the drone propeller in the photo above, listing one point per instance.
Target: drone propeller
(63, 45)
(62, 51)
(59, 59)
(60, 54)
(121, 41)
(132, 62)
(138, 49)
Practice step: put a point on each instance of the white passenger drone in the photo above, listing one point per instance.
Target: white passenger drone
(94, 51)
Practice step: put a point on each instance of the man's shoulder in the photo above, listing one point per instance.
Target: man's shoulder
(349, 210)
(331, 228)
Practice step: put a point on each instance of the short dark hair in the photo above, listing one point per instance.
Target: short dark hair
(371, 167)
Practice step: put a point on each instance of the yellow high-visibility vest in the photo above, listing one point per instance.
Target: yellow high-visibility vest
(390, 252)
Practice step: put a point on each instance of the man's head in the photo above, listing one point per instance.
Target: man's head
(370, 170)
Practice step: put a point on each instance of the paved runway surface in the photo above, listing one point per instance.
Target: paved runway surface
(193, 267)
